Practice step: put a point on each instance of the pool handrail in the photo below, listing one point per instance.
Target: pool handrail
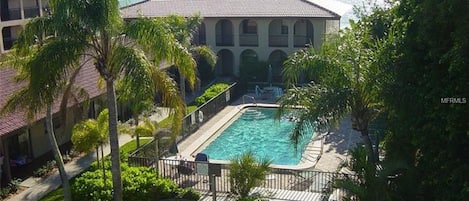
(252, 97)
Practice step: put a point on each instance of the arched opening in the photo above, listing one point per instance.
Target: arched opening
(248, 56)
(224, 33)
(250, 68)
(276, 59)
(278, 34)
(10, 35)
(303, 33)
(248, 33)
(225, 63)
(200, 35)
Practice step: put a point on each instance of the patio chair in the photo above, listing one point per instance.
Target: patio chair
(186, 168)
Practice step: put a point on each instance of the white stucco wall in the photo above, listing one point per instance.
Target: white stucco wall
(263, 50)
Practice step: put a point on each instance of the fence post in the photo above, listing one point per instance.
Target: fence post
(213, 186)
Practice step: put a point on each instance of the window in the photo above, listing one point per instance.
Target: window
(284, 29)
(249, 27)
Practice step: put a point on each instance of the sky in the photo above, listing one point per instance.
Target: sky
(342, 7)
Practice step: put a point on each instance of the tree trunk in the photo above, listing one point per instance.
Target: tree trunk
(157, 154)
(182, 84)
(103, 162)
(114, 141)
(366, 139)
(137, 135)
(57, 155)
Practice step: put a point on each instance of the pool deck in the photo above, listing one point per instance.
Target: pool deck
(325, 152)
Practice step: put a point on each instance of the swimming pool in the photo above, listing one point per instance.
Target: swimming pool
(257, 130)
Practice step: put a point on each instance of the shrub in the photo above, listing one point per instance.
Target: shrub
(246, 173)
(254, 71)
(45, 169)
(11, 188)
(139, 183)
(188, 194)
(211, 92)
(90, 186)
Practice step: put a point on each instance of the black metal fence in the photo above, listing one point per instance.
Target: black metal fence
(146, 154)
(205, 112)
(186, 174)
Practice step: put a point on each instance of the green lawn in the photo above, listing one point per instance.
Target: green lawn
(166, 123)
(57, 195)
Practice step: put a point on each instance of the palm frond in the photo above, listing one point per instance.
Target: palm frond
(152, 35)
(102, 123)
(133, 70)
(33, 34)
(170, 97)
(206, 53)
(86, 135)
(49, 66)
(320, 107)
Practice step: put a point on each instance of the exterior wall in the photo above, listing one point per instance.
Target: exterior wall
(40, 140)
(331, 26)
(21, 10)
(263, 49)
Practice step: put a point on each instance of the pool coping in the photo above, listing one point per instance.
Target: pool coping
(309, 159)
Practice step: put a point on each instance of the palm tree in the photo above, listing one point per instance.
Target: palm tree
(371, 182)
(345, 82)
(246, 172)
(128, 53)
(44, 86)
(184, 29)
(92, 133)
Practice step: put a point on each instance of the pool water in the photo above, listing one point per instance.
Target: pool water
(257, 131)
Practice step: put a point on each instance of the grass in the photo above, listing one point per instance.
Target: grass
(166, 123)
(57, 194)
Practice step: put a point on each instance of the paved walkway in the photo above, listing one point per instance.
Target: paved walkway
(36, 188)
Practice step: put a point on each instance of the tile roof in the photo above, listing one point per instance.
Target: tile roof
(229, 8)
(87, 79)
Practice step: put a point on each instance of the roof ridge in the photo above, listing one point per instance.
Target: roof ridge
(322, 7)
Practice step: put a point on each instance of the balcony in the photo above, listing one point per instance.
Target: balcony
(8, 43)
(13, 14)
(31, 12)
(278, 40)
(224, 40)
(248, 40)
(302, 41)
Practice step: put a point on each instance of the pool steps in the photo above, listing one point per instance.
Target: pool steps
(312, 152)
(250, 114)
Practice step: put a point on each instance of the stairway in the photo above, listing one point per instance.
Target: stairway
(252, 114)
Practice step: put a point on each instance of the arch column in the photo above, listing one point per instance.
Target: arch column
(2, 48)
(39, 3)
(291, 35)
(235, 24)
(22, 9)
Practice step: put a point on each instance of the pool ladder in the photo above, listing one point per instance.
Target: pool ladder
(250, 97)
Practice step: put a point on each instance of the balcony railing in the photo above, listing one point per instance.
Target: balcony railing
(31, 12)
(14, 14)
(225, 40)
(302, 41)
(278, 40)
(248, 40)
